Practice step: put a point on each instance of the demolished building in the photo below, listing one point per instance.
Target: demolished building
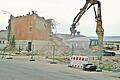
(34, 33)
(29, 30)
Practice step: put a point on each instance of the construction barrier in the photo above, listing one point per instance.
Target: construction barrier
(77, 61)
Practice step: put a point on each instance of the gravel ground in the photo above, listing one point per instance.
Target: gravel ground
(20, 68)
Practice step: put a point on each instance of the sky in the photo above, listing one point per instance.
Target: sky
(63, 12)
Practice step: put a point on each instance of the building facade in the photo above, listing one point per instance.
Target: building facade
(3, 38)
(29, 30)
(108, 40)
(77, 43)
(30, 27)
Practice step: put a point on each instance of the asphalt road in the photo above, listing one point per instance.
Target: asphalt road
(23, 69)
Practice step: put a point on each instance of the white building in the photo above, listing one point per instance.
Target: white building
(107, 40)
(81, 43)
(77, 44)
(3, 38)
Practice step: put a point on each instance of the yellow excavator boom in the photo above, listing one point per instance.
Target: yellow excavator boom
(98, 18)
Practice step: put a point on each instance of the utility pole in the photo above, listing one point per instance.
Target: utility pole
(9, 26)
(9, 36)
(53, 52)
(53, 56)
(72, 50)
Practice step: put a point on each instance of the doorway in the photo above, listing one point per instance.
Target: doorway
(29, 46)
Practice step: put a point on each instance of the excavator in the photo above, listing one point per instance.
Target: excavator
(98, 19)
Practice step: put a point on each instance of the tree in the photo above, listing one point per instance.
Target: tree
(12, 42)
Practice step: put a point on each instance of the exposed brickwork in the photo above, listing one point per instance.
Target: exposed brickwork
(30, 27)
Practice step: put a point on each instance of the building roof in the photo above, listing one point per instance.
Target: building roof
(3, 30)
(112, 38)
(109, 38)
(3, 34)
(67, 36)
(79, 39)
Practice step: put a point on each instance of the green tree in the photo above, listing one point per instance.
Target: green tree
(12, 42)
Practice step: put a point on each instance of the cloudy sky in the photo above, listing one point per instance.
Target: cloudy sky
(63, 11)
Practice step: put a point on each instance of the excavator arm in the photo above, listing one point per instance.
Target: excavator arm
(98, 18)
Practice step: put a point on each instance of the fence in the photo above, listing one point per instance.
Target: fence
(50, 49)
(46, 49)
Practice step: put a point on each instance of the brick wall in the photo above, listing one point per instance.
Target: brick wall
(30, 27)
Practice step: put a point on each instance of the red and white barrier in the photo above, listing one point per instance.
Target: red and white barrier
(78, 61)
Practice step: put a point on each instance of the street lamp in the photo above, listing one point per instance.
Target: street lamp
(72, 50)
(53, 26)
(9, 28)
(53, 62)
(6, 12)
